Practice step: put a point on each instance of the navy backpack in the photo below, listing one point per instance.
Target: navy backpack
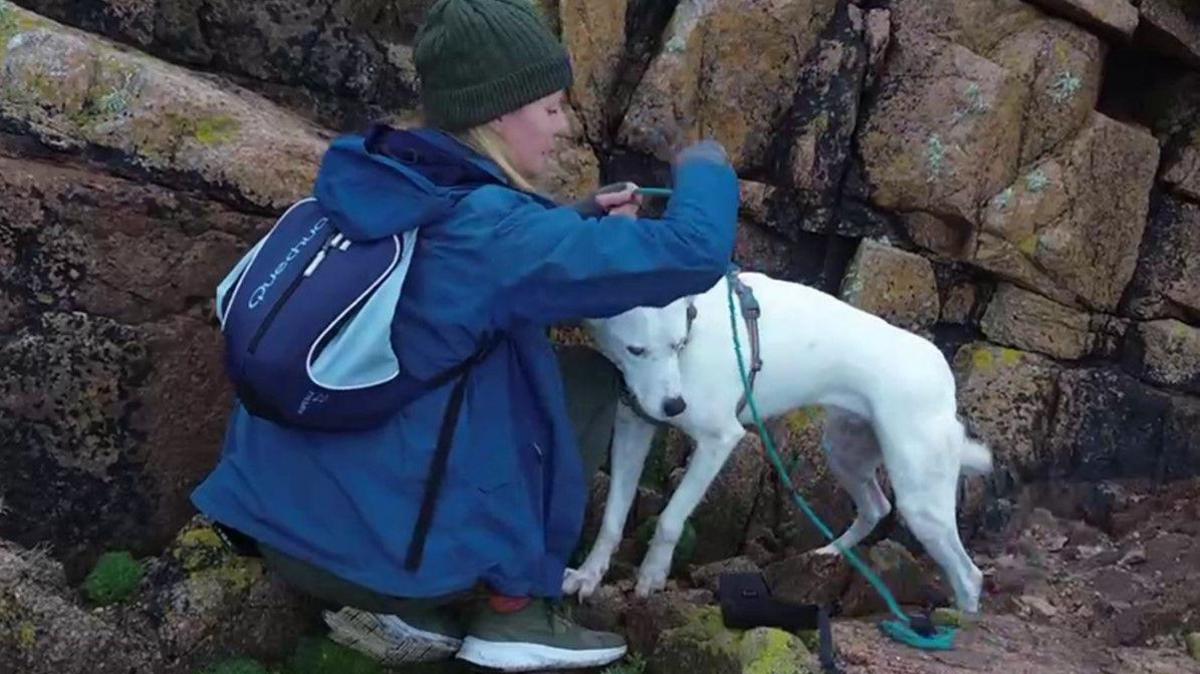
(306, 317)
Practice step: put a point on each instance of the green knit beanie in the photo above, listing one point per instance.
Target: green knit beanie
(480, 59)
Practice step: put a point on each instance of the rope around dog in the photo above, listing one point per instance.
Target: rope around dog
(900, 629)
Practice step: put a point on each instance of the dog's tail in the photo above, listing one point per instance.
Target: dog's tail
(975, 457)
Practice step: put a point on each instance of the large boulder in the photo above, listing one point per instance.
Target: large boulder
(1167, 280)
(812, 146)
(1166, 353)
(1024, 320)
(80, 93)
(1070, 227)
(1007, 398)
(727, 70)
(109, 335)
(1172, 28)
(972, 91)
(893, 284)
(594, 32)
(321, 58)
(1107, 425)
(1118, 18)
(44, 631)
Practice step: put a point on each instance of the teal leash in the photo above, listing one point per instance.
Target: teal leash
(901, 629)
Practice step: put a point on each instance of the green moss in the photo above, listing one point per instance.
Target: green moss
(236, 666)
(772, 651)
(322, 656)
(803, 419)
(1029, 245)
(758, 651)
(113, 579)
(26, 636)
(1193, 644)
(947, 617)
(982, 359)
(199, 548)
(216, 130)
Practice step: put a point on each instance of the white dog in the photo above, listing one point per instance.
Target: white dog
(889, 397)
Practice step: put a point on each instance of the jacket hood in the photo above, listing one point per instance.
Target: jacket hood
(388, 182)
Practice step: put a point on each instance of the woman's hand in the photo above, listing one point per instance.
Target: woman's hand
(622, 202)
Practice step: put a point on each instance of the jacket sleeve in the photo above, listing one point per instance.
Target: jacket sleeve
(556, 265)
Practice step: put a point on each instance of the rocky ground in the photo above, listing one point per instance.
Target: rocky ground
(1116, 590)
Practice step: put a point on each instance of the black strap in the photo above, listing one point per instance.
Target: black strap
(441, 456)
(825, 643)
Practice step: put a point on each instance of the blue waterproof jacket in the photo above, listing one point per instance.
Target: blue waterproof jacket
(497, 259)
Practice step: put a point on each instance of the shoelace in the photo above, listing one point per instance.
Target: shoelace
(561, 617)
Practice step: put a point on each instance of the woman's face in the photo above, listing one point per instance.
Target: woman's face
(529, 133)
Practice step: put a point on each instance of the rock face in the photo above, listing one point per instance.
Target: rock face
(1008, 395)
(1026, 320)
(1167, 280)
(108, 339)
(1070, 227)
(1171, 28)
(75, 92)
(43, 631)
(1166, 353)
(197, 603)
(894, 284)
(1111, 16)
(330, 64)
(725, 71)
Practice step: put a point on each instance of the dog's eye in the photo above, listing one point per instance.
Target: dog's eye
(636, 350)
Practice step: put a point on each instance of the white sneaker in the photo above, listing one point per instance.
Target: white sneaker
(389, 639)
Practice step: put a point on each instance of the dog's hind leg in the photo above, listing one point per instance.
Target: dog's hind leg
(923, 465)
(632, 437)
(853, 454)
(712, 450)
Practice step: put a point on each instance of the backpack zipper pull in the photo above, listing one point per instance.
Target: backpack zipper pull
(332, 242)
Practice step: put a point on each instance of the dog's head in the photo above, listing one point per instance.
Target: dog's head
(645, 344)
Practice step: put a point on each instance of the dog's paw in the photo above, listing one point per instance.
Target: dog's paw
(582, 581)
(650, 580)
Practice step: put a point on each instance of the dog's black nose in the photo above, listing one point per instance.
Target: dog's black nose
(673, 407)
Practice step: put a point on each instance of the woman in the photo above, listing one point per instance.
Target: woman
(335, 513)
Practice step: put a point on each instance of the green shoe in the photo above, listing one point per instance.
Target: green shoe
(534, 638)
(418, 635)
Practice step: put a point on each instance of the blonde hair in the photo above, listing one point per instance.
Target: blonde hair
(484, 140)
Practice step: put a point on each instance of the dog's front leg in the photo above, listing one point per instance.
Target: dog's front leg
(712, 450)
(632, 437)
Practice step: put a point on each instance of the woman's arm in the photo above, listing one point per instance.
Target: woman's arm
(557, 265)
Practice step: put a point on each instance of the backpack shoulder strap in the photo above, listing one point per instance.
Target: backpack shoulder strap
(441, 456)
